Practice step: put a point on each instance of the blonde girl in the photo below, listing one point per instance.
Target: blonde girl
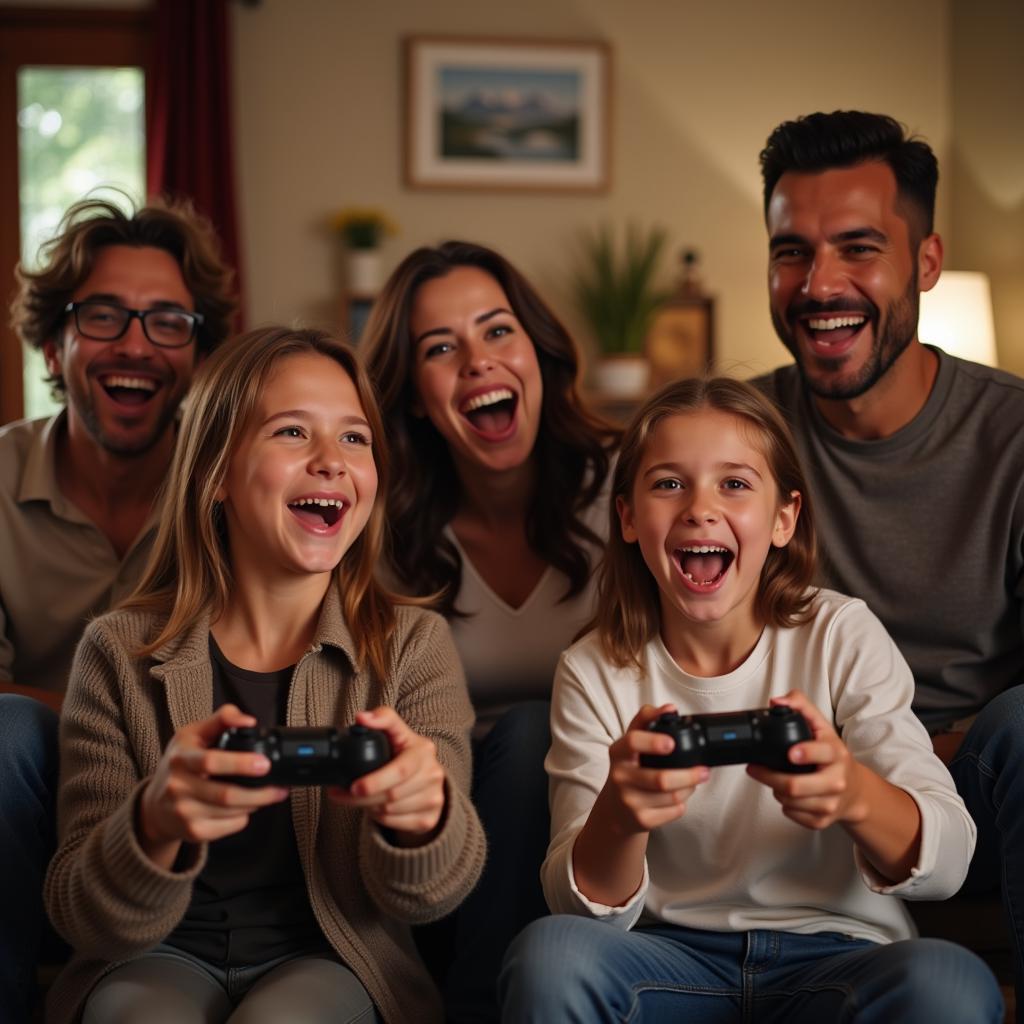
(186, 898)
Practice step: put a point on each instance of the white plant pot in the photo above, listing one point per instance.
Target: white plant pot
(364, 271)
(622, 376)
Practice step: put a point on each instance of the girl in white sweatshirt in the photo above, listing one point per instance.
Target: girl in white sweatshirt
(737, 893)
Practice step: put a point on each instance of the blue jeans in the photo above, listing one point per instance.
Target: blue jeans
(510, 791)
(576, 969)
(28, 782)
(989, 774)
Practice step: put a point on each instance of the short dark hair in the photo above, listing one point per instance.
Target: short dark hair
(820, 142)
(93, 224)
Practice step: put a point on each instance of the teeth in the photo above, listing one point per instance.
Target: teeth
(693, 579)
(705, 549)
(323, 502)
(138, 383)
(835, 322)
(491, 398)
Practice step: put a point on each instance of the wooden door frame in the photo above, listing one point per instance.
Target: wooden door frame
(74, 37)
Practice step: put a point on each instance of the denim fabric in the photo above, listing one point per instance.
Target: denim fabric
(989, 774)
(510, 791)
(28, 781)
(576, 969)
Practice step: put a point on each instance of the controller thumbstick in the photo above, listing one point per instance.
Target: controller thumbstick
(357, 730)
(246, 732)
(780, 710)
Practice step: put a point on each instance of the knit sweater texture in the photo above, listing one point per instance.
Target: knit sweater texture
(112, 903)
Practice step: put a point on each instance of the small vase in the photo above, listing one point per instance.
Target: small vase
(622, 376)
(364, 272)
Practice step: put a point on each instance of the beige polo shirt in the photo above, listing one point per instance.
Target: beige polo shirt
(57, 570)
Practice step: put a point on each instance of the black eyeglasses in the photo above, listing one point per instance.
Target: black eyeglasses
(105, 321)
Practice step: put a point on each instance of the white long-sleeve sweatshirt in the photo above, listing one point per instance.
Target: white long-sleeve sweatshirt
(734, 862)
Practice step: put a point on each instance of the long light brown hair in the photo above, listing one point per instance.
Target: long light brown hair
(189, 572)
(628, 608)
(572, 452)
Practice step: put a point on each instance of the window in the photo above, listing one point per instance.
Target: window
(72, 94)
(79, 129)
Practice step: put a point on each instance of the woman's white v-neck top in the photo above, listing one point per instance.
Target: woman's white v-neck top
(510, 654)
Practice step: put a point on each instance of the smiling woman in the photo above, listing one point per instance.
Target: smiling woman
(497, 511)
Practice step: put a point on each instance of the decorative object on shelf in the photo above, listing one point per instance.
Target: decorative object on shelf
(680, 336)
(362, 228)
(956, 315)
(616, 293)
(487, 113)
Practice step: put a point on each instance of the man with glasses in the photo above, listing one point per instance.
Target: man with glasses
(124, 308)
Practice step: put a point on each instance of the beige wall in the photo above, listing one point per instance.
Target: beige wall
(697, 88)
(987, 162)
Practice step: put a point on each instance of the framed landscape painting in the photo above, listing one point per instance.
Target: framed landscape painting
(526, 114)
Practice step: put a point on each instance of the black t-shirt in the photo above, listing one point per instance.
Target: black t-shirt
(249, 904)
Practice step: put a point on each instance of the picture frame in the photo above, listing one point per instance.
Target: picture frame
(680, 339)
(529, 114)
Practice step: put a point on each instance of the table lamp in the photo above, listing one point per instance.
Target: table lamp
(956, 315)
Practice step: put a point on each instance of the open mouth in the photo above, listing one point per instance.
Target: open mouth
(833, 331)
(704, 565)
(129, 390)
(493, 413)
(318, 513)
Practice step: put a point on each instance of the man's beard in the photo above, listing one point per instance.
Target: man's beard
(890, 342)
(137, 444)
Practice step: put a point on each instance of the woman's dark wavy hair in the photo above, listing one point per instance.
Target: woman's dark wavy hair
(628, 603)
(821, 142)
(572, 451)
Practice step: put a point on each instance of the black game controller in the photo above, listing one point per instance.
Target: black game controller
(760, 737)
(307, 757)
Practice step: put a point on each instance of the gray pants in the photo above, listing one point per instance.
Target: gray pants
(166, 986)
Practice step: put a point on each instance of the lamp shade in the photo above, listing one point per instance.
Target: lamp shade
(956, 315)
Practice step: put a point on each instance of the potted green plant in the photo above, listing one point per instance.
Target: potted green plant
(616, 293)
(361, 229)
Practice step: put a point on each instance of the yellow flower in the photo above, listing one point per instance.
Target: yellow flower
(362, 227)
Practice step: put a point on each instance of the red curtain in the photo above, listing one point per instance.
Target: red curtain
(189, 134)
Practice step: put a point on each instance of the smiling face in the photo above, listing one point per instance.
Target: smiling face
(476, 373)
(124, 394)
(845, 275)
(301, 483)
(705, 510)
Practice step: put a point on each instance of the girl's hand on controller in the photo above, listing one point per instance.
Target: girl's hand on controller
(181, 803)
(406, 795)
(831, 794)
(636, 799)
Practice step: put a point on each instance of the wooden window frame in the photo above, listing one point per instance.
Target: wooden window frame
(79, 37)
